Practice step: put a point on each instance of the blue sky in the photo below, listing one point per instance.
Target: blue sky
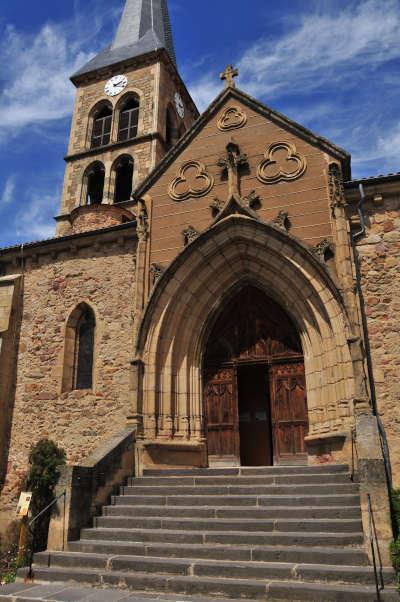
(332, 65)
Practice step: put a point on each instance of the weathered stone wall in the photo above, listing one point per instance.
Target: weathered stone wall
(10, 291)
(94, 217)
(379, 255)
(101, 274)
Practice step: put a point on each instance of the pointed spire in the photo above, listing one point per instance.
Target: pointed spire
(144, 27)
(141, 17)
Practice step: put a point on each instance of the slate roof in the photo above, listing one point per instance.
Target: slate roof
(144, 27)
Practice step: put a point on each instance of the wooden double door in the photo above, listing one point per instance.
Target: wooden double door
(255, 401)
(256, 414)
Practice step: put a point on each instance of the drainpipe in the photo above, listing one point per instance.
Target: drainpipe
(355, 237)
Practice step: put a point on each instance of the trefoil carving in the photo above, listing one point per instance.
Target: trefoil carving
(193, 181)
(231, 119)
(189, 235)
(282, 163)
(282, 221)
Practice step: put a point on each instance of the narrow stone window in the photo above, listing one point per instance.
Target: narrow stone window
(84, 350)
(123, 179)
(101, 131)
(128, 119)
(172, 134)
(94, 184)
(79, 351)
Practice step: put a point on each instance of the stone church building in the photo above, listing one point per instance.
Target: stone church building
(217, 283)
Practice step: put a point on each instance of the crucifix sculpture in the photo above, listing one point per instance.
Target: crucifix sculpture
(228, 75)
(232, 162)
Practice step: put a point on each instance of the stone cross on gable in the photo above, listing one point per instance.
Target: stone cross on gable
(232, 162)
(228, 75)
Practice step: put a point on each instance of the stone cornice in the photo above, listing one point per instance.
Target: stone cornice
(124, 231)
(114, 145)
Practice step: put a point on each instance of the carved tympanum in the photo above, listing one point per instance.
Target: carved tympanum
(231, 119)
(282, 163)
(193, 181)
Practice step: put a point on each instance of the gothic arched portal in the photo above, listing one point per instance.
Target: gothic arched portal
(254, 384)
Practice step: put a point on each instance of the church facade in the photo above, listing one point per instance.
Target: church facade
(217, 282)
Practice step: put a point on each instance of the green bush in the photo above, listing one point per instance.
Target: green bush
(8, 553)
(44, 459)
(395, 547)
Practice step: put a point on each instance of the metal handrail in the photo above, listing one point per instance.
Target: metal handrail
(354, 455)
(373, 539)
(30, 574)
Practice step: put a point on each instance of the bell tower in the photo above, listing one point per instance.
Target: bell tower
(131, 107)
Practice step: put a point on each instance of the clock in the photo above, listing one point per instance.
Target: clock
(115, 85)
(180, 107)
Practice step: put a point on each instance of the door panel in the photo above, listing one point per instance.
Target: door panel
(289, 410)
(222, 412)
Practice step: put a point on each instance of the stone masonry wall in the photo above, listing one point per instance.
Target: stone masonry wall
(379, 255)
(102, 275)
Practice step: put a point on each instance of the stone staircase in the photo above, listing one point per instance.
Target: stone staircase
(273, 533)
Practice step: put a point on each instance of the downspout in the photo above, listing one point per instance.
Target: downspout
(355, 237)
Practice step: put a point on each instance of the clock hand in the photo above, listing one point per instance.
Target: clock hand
(121, 81)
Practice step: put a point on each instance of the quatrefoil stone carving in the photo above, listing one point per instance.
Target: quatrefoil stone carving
(231, 119)
(282, 163)
(193, 181)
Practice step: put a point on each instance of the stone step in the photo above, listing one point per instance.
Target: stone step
(298, 554)
(352, 499)
(248, 470)
(179, 585)
(329, 525)
(294, 538)
(337, 512)
(316, 489)
(259, 480)
(213, 568)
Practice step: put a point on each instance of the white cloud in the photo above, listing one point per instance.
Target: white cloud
(325, 48)
(35, 221)
(35, 68)
(8, 192)
(321, 49)
(35, 76)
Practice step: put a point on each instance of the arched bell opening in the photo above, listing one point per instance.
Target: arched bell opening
(254, 390)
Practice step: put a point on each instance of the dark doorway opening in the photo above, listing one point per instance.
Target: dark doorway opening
(254, 416)
(255, 399)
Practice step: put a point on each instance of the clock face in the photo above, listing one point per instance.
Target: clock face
(115, 85)
(180, 107)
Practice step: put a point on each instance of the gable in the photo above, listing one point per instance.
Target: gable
(191, 181)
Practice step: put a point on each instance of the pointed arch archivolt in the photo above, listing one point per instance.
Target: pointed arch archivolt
(186, 300)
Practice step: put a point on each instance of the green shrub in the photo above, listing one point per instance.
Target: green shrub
(8, 553)
(395, 546)
(44, 459)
